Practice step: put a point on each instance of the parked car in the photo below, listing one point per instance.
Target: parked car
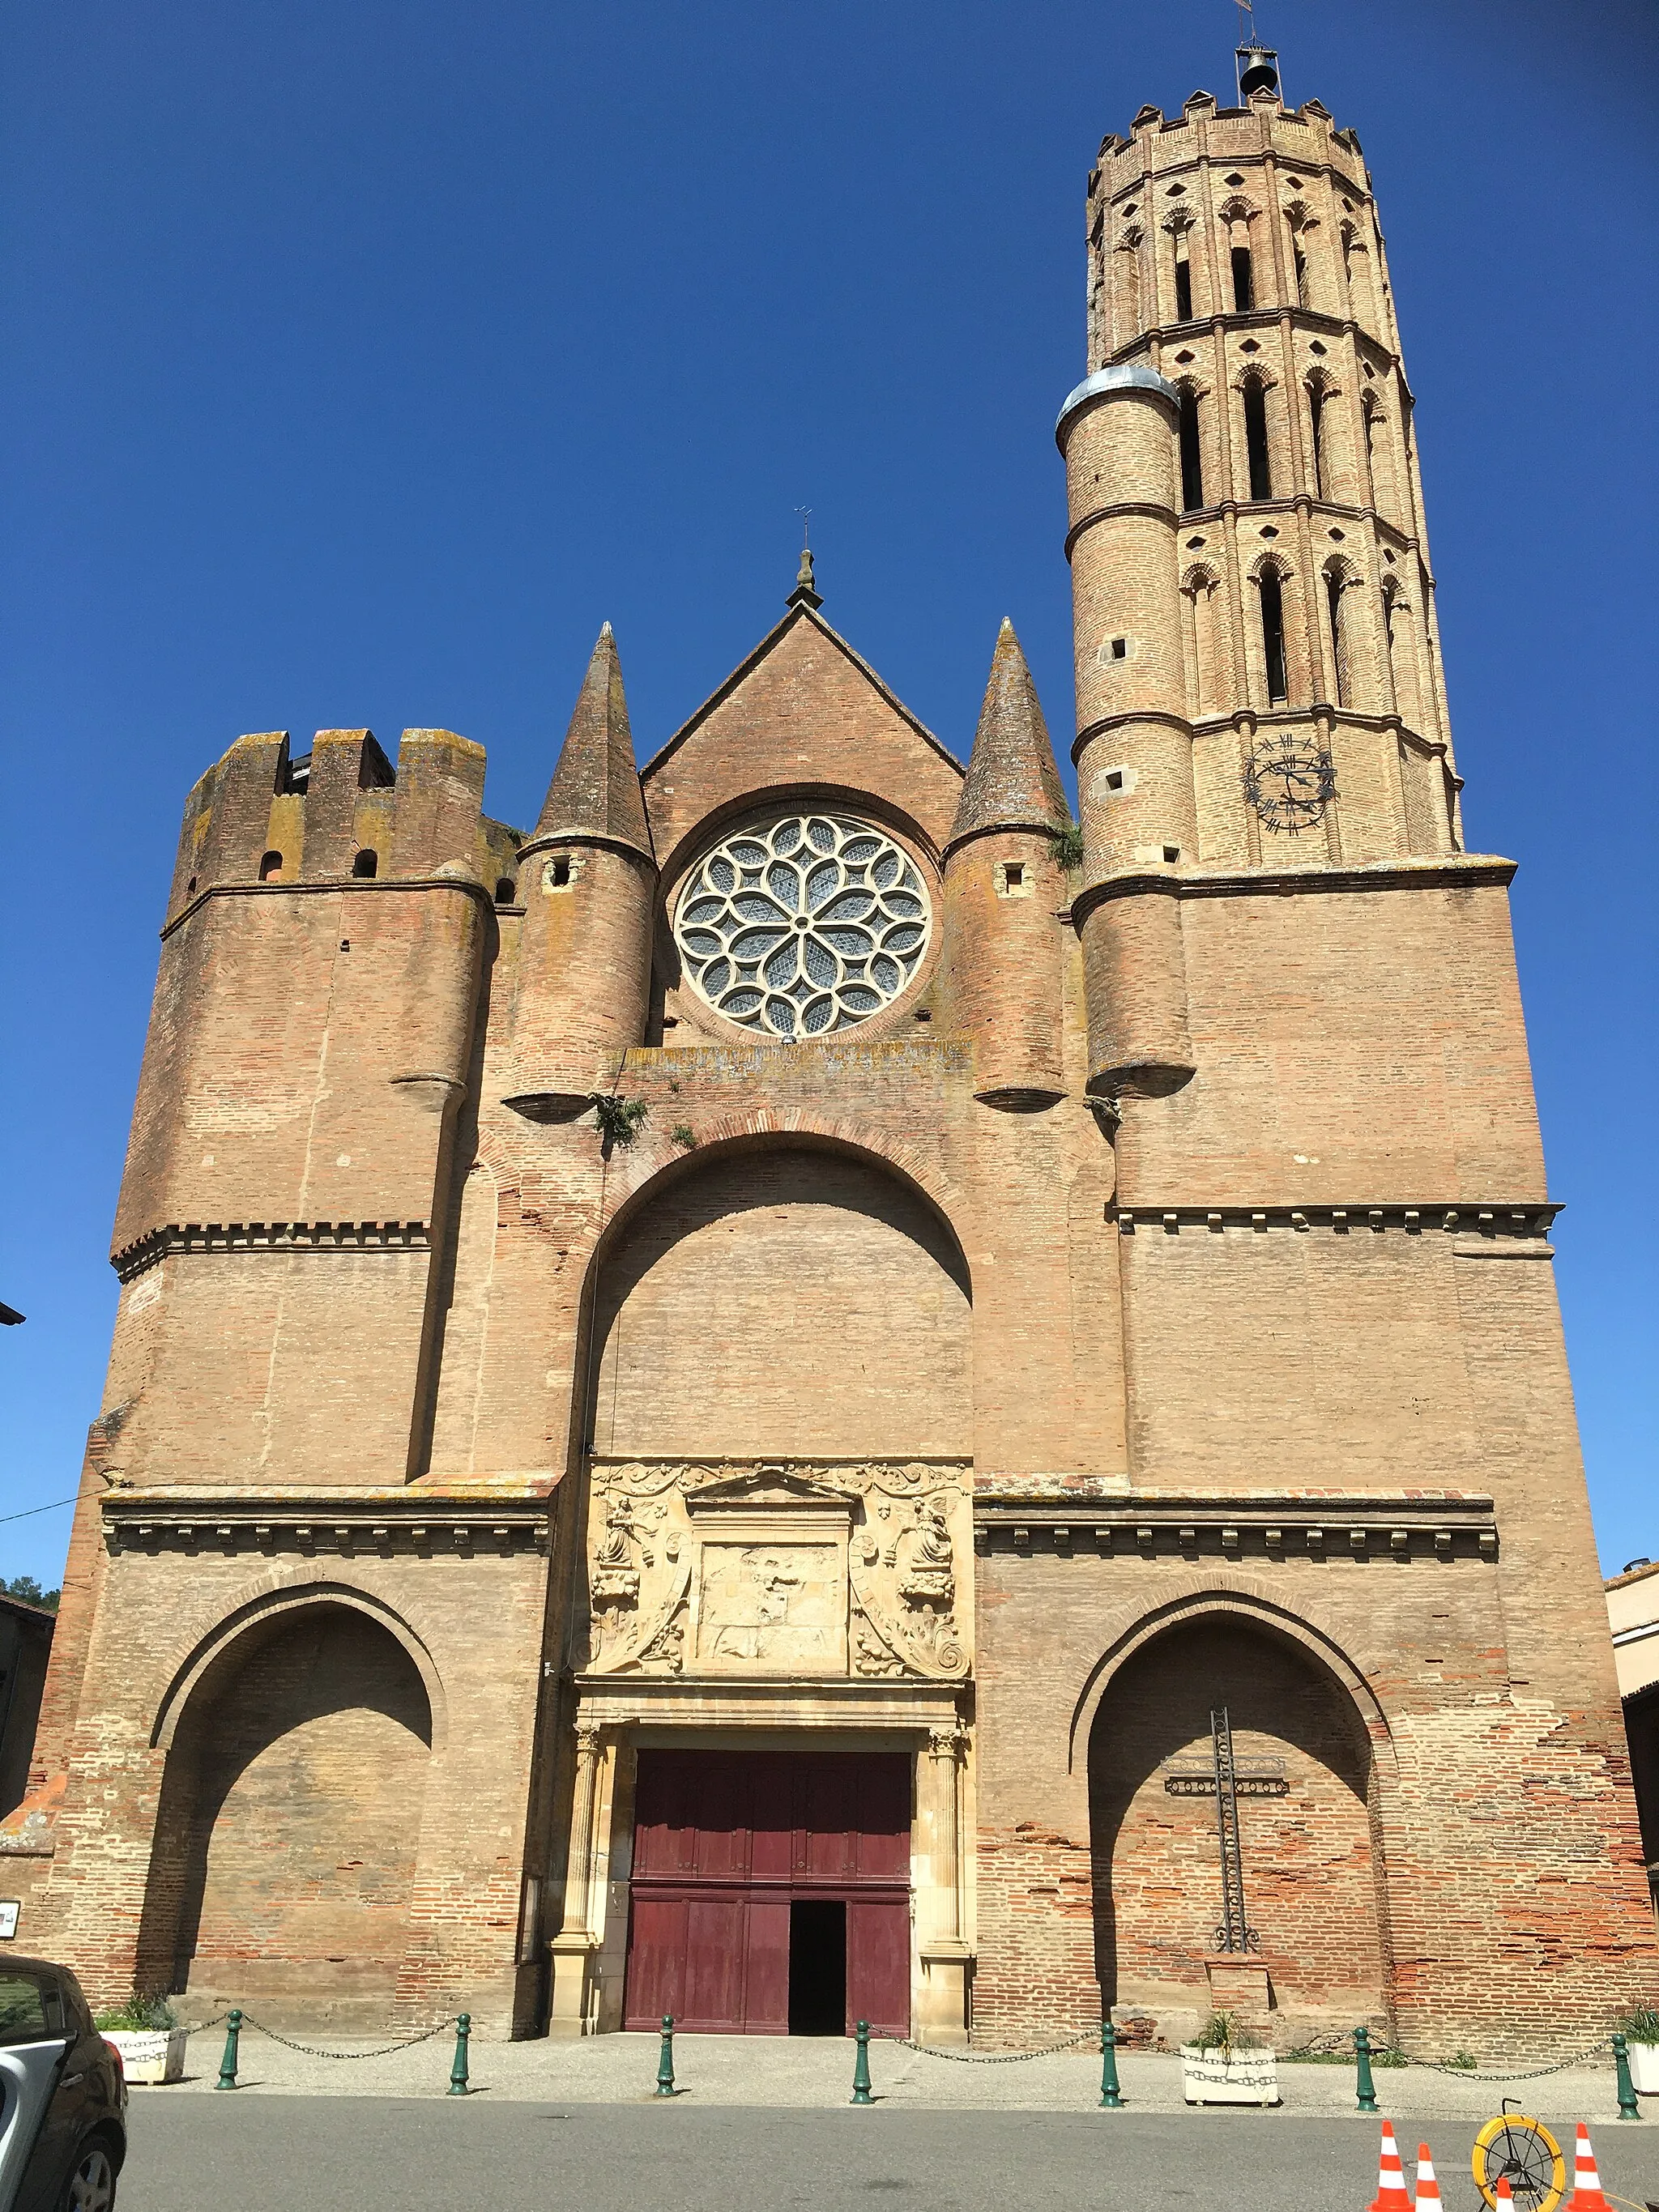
(63, 2095)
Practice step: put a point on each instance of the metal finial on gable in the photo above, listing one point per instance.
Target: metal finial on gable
(806, 592)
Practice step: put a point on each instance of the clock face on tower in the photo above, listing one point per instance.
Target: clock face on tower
(1290, 781)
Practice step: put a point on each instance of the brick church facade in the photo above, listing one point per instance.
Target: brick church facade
(709, 1398)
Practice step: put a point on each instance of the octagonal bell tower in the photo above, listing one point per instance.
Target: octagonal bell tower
(1257, 664)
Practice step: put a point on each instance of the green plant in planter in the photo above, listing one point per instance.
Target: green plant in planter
(1222, 2032)
(1639, 2025)
(618, 1119)
(1065, 843)
(138, 2017)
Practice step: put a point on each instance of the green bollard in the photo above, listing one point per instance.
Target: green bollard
(1110, 2097)
(1628, 2107)
(457, 2071)
(665, 2064)
(228, 2064)
(861, 2066)
(1362, 2081)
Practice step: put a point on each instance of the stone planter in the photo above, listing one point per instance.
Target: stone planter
(1236, 2077)
(152, 2055)
(1644, 2068)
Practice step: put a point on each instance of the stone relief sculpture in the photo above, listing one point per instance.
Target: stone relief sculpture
(775, 1570)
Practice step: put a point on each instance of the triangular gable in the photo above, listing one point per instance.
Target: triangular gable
(802, 711)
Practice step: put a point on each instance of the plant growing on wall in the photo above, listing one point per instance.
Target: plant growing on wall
(1065, 843)
(618, 1119)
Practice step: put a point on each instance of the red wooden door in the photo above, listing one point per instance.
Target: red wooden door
(723, 1842)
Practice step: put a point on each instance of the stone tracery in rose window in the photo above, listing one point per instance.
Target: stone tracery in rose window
(802, 925)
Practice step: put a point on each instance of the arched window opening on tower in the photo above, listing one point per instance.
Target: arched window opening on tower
(1316, 417)
(1183, 280)
(505, 888)
(1402, 655)
(1299, 262)
(270, 866)
(1255, 438)
(1272, 636)
(1379, 471)
(1203, 687)
(1128, 286)
(1333, 584)
(1192, 452)
(1244, 280)
(367, 863)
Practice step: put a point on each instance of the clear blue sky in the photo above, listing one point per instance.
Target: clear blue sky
(360, 359)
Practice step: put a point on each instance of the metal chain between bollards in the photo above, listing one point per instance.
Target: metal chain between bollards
(991, 2057)
(1390, 2054)
(316, 2051)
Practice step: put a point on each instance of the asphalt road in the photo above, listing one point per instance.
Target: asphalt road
(273, 2153)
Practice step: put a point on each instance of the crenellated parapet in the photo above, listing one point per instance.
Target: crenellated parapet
(263, 814)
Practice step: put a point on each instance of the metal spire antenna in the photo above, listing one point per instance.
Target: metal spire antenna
(1235, 1933)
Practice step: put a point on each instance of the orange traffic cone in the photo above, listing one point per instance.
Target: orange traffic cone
(1391, 2194)
(1503, 2194)
(1428, 2189)
(1587, 2195)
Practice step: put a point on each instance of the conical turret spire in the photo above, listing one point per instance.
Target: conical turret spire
(595, 789)
(1013, 782)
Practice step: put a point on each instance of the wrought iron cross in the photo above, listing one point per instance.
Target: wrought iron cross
(1235, 1933)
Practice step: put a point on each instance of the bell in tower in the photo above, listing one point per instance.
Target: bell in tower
(1258, 69)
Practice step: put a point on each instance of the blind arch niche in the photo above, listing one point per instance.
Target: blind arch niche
(786, 1300)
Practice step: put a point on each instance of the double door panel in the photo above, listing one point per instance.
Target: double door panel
(718, 1961)
(724, 1842)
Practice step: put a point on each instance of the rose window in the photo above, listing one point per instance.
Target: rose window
(803, 926)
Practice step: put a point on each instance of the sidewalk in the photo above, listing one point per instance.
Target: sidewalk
(818, 2072)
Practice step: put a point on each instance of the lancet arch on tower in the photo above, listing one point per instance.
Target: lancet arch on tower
(1325, 455)
(1272, 656)
(1339, 578)
(1253, 382)
(1200, 608)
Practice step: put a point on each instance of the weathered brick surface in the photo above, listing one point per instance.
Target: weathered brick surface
(1207, 1219)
